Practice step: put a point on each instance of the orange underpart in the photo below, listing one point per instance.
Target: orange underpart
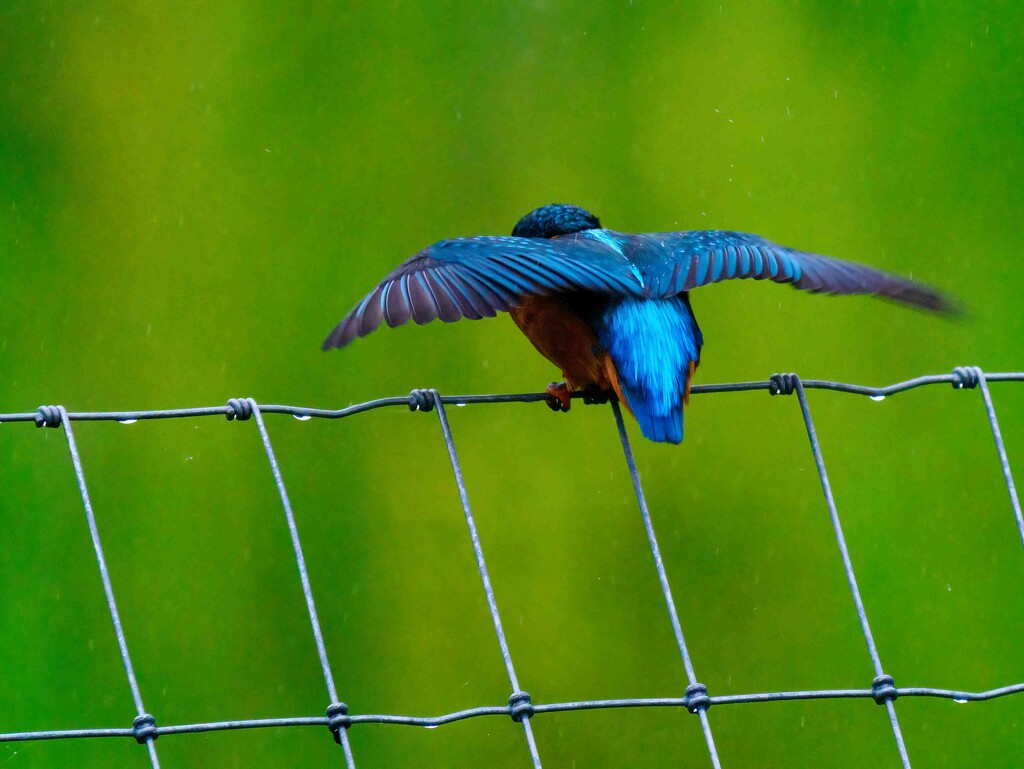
(564, 338)
(613, 380)
(689, 382)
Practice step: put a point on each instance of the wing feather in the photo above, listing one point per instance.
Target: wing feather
(422, 300)
(479, 277)
(447, 306)
(701, 257)
(469, 303)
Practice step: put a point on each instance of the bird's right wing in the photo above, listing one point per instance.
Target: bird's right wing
(481, 276)
(700, 257)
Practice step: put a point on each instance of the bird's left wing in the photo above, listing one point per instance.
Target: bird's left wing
(481, 276)
(679, 261)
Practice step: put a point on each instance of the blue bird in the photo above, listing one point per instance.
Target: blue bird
(611, 309)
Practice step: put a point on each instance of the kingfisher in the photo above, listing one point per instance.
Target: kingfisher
(610, 309)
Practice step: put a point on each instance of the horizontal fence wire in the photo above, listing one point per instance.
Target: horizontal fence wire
(520, 708)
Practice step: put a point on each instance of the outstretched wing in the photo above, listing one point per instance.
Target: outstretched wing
(680, 261)
(481, 276)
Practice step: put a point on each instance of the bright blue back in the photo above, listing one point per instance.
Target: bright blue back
(651, 342)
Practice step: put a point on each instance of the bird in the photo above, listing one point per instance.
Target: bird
(610, 309)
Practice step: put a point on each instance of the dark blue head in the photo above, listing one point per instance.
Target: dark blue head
(555, 219)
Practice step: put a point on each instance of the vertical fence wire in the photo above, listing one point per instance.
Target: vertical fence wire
(882, 684)
(520, 707)
(144, 726)
(696, 693)
(977, 374)
(337, 712)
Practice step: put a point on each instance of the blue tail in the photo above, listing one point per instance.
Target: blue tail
(660, 427)
(651, 342)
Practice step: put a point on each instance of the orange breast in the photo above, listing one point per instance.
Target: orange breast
(565, 339)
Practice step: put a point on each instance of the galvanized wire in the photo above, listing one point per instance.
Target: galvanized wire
(143, 725)
(696, 698)
(882, 683)
(519, 705)
(696, 692)
(337, 712)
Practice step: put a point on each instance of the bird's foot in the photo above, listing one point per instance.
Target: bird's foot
(593, 396)
(558, 396)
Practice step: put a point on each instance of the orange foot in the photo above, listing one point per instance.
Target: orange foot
(558, 396)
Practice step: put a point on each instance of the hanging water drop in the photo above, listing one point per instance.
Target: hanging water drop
(878, 398)
(127, 421)
(302, 417)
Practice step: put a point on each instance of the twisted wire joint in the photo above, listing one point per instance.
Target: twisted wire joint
(144, 728)
(239, 408)
(966, 377)
(48, 416)
(338, 719)
(696, 699)
(421, 400)
(782, 384)
(883, 689)
(520, 707)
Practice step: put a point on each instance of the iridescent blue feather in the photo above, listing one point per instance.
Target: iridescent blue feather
(652, 342)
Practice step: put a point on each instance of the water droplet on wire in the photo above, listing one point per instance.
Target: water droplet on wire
(878, 398)
(127, 421)
(302, 417)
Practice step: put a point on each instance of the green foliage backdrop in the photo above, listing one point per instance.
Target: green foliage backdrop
(192, 194)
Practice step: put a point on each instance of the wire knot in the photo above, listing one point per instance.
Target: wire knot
(421, 400)
(144, 728)
(48, 416)
(239, 408)
(782, 384)
(696, 699)
(966, 377)
(520, 707)
(883, 689)
(338, 719)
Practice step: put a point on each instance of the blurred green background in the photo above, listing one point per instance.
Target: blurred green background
(192, 194)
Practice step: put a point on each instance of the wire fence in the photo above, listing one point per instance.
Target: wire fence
(520, 708)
